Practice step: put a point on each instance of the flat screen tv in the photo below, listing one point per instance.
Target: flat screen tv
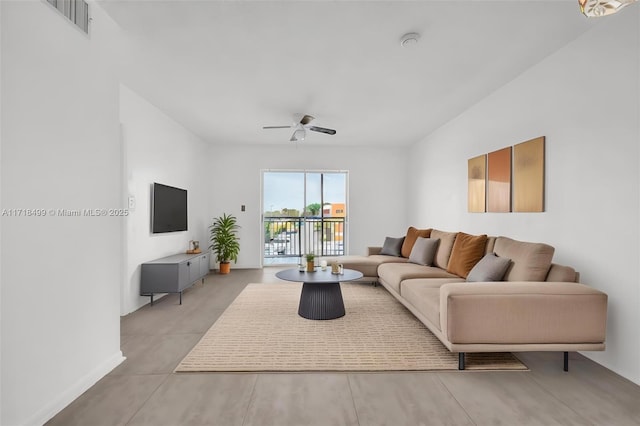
(168, 209)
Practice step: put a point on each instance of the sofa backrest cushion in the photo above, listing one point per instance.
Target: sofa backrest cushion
(444, 248)
(561, 273)
(529, 261)
(411, 237)
(423, 251)
(392, 246)
(491, 242)
(466, 252)
(490, 268)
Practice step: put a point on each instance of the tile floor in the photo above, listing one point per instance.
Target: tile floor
(144, 390)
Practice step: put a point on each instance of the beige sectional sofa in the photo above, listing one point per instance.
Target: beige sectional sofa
(536, 305)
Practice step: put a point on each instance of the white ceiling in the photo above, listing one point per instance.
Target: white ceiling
(224, 69)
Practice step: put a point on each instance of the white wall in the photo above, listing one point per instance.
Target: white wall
(584, 99)
(377, 189)
(1, 207)
(60, 150)
(157, 149)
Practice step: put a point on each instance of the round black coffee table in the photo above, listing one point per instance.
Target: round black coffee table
(321, 298)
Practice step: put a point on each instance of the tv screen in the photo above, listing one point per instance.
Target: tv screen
(168, 209)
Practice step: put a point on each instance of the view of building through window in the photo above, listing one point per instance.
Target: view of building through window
(303, 212)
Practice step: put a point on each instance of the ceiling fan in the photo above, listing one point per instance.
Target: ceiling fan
(301, 127)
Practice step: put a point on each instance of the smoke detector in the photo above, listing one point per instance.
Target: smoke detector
(409, 40)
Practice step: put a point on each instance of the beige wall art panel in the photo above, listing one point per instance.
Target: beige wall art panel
(477, 168)
(528, 176)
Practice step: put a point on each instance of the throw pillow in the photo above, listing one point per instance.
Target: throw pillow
(467, 251)
(529, 261)
(490, 268)
(444, 248)
(410, 239)
(423, 251)
(392, 246)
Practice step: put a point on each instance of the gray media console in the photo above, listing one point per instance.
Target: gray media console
(173, 274)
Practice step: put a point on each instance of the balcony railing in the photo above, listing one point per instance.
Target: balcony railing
(297, 236)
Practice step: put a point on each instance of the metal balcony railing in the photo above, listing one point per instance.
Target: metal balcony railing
(297, 236)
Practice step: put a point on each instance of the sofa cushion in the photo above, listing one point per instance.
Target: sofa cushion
(444, 248)
(529, 261)
(490, 268)
(430, 282)
(371, 250)
(411, 238)
(491, 242)
(392, 246)
(561, 273)
(467, 251)
(425, 299)
(423, 251)
(392, 274)
(364, 264)
(381, 258)
(368, 265)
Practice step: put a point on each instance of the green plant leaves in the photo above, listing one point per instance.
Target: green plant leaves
(224, 238)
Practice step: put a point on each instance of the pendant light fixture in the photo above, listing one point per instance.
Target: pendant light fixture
(596, 8)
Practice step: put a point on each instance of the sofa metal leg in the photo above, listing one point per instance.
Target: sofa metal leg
(461, 361)
(566, 361)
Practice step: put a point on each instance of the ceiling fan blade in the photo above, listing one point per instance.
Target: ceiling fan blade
(322, 130)
(306, 119)
(276, 127)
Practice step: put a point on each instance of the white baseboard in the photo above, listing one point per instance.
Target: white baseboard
(67, 397)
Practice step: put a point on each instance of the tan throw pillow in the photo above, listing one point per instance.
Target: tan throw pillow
(467, 251)
(529, 261)
(444, 248)
(411, 237)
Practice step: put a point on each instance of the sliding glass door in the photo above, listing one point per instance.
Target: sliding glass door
(303, 212)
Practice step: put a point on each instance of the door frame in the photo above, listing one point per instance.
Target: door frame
(345, 236)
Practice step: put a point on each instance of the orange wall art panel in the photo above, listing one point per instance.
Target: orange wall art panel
(499, 180)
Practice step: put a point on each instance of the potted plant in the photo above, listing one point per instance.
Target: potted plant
(310, 262)
(224, 241)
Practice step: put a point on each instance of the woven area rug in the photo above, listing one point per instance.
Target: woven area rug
(261, 331)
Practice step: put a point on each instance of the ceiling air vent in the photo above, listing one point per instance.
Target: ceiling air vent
(77, 11)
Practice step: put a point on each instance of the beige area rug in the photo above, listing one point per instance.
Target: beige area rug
(261, 331)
